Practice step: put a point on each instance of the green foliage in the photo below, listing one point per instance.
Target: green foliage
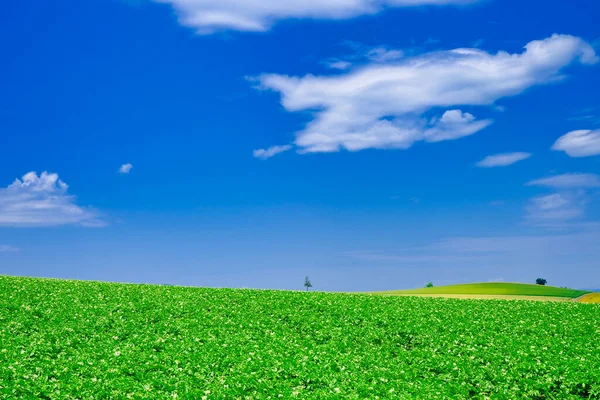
(541, 281)
(499, 288)
(429, 285)
(92, 340)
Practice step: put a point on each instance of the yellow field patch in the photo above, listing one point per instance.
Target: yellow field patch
(590, 298)
(486, 296)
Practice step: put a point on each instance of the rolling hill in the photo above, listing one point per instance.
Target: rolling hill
(493, 290)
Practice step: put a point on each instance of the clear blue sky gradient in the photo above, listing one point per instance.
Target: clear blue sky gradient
(90, 85)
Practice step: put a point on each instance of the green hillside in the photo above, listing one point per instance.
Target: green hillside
(495, 288)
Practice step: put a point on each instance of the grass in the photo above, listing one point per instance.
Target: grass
(494, 289)
(92, 340)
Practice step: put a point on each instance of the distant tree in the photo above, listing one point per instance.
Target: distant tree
(430, 284)
(307, 283)
(540, 281)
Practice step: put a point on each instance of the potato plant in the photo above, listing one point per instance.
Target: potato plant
(91, 340)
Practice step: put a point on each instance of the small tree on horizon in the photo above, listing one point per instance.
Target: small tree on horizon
(429, 285)
(307, 283)
(540, 281)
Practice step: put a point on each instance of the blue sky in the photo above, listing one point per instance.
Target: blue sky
(369, 144)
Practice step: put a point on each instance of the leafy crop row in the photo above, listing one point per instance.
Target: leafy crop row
(90, 340)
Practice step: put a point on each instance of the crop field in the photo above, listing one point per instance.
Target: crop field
(591, 298)
(91, 340)
(485, 296)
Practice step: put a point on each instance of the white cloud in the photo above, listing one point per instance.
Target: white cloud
(7, 249)
(581, 143)
(454, 124)
(383, 55)
(125, 168)
(556, 207)
(208, 16)
(568, 181)
(271, 151)
(42, 201)
(503, 159)
(338, 64)
(384, 105)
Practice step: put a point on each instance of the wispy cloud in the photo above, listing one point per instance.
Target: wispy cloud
(568, 181)
(208, 16)
(338, 64)
(505, 244)
(581, 143)
(590, 115)
(533, 251)
(382, 105)
(384, 55)
(478, 43)
(271, 151)
(556, 207)
(125, 168)
(503, 159)
(416, 258)
(8, 249)
(594, 119)
(362, 54)
(514, 258)
(42, 201)
(567, 203)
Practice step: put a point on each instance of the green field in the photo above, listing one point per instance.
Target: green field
(91, 340)
(494, 288)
